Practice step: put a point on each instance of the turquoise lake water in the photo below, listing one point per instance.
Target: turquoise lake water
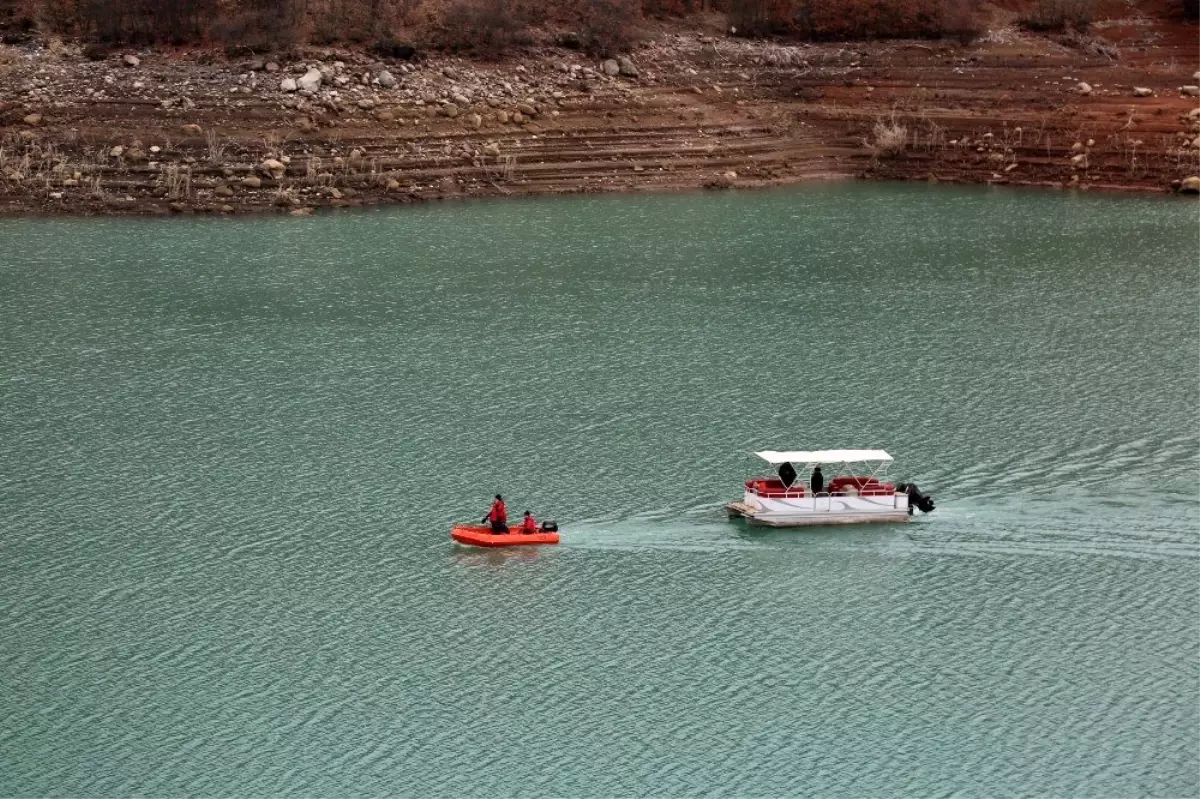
(231, 451)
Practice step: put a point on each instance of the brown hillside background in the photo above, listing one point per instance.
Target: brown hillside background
(238, 106)
(491, 27)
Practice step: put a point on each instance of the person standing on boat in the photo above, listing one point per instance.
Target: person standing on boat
(498, 516)
(529, 524)
(817, 481)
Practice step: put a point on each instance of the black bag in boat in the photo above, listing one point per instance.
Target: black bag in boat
(549, 527)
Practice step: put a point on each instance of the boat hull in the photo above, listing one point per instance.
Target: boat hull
(757, 517)
(477, 535)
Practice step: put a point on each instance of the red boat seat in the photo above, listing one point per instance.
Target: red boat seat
(772, 487)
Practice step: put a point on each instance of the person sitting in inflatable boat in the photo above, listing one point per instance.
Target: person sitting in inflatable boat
(529, 524)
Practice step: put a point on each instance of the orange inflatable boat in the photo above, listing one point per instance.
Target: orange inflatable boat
(478, 535)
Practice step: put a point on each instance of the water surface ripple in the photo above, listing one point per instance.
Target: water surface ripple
(232, 450)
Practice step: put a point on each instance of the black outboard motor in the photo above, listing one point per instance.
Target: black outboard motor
(922, 502)
(549, 527)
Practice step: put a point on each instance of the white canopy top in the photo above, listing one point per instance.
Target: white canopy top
(824, 456)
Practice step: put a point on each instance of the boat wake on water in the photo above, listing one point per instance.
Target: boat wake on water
(1054, 526)
(699, 527)
(982, 526)
(702, 528)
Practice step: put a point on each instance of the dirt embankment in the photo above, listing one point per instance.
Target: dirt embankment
(179, 132)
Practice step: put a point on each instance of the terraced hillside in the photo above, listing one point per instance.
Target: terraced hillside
(169, 131)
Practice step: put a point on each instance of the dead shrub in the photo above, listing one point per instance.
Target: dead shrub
(759, 17)
(855, 19)
(147, 21)
(388, 47)
(357, 21)
(888, 138)
(17, 21)
(486, 27)
(960, 20)
(665, 8)
(870, 19)
(607, 26)
(1061, 15)
(59, 16)
(259, 26)
(339, 20)
(129, 21)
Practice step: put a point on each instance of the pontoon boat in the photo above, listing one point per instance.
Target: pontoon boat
(854, 490)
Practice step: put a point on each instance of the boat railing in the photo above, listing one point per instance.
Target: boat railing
(823, 500)
(774, 489)
(768, 488)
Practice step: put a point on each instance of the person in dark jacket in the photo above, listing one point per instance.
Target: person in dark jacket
(817, 481)
(498, 516)
(787, 475)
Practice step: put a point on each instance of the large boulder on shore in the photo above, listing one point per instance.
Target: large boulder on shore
(273, 168)
(386, 79)
(611, 68)
(310, 81)
(1190, 185)
(726, 180)
(287, 85)
(626, 67)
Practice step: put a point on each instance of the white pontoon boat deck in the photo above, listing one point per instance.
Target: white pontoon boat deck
(853, 491)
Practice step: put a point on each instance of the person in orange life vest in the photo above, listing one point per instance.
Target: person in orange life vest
(498, 516)
(529, 524)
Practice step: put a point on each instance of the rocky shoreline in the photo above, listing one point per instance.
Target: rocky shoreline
(166, 131)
